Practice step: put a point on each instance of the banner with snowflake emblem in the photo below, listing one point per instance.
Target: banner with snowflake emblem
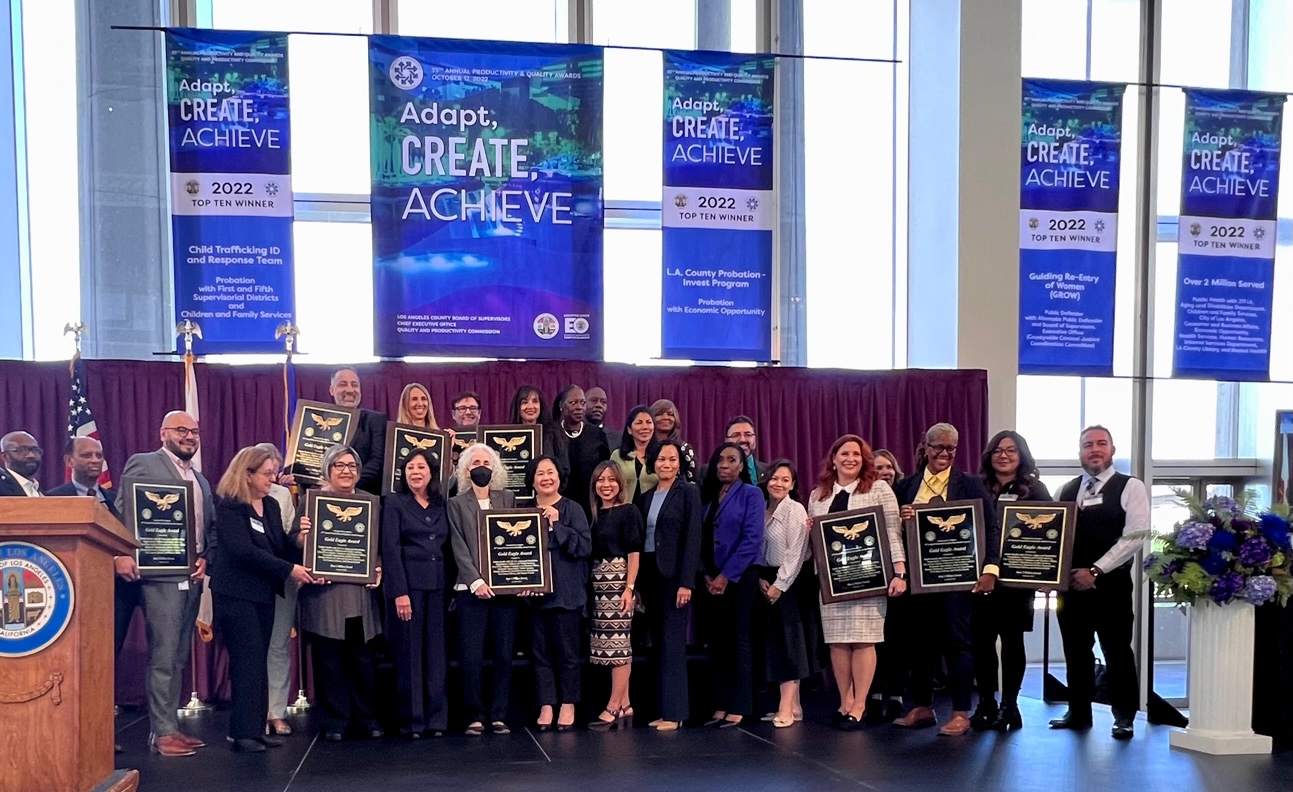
(718, 208)
(1070, 156)
(231, 186)
(1230, 179)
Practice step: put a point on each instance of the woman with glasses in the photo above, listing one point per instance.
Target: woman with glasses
(944, 631)
(668, 426)
(1010, 474)
(280, 642)
(340, 622)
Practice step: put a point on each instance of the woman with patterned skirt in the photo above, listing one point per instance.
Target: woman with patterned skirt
(617, 545)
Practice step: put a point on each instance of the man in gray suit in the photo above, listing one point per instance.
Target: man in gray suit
(170, 603)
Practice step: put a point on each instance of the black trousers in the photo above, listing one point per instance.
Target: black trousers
(246, 627)
(478, 618)
(731, 661)
(343, 678)
(1005, 614)
(668, 625)
(555, 653)
(126, 597)
(893, 655)
(942, 630)
(418, 647)
(1103, 611)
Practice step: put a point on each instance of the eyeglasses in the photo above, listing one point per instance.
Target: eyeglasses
(23, 449)
(740, 435)
(937, 450)
(184, 431)
(467, 410)
(1005, 452)
(345, 466)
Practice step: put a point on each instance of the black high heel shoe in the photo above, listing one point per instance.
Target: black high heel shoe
(985, 715)
(1008, 718)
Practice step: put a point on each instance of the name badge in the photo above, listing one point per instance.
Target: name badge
(258, 526)
(183, 585)
(1096, 501)
(1007, 497)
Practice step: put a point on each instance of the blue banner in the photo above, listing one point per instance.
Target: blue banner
(719, 207)
(487, 198)
(1070, 157)
(1230, 178)
(231, 186)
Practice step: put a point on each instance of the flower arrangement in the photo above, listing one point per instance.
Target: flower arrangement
(1224, 553)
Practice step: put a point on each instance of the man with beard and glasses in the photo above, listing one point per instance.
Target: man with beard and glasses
(171, 602)
(1113, 512)
(21, 455)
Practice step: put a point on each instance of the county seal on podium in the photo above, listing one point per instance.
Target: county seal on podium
(38, 599)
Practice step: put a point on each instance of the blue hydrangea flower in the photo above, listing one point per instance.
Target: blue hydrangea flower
(1259, 590)
(1226, 587)
(1223, 542)
(1214, 563)
(1255, 551)
(1150, 560)
(1194, 535)
(1221, 503)
(1276, 529)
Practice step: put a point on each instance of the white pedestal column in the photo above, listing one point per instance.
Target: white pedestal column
(1221, 682)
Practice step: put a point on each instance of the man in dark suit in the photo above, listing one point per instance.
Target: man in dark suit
(21, 456)
(596, 415)
(170, 603)
(944, 619)
(369, 441)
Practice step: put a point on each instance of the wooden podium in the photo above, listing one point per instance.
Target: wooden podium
(56, 645)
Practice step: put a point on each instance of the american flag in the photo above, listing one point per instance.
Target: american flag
(80, 421)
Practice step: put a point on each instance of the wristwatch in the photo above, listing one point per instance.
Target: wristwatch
(629, 586)
(900, 575)
(1096, 571)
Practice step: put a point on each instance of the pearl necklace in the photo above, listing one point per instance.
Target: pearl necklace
(574, 434)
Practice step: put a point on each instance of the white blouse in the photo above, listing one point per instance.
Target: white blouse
(785, 541)
(880, 495)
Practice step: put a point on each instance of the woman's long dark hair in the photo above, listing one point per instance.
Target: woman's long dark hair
(628, 445)
(433, 486)
(523, 393)
(771, 470)
(711, 486)
(1025, 477)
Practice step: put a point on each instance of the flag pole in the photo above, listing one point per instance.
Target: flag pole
(287, 331)
(188, 329)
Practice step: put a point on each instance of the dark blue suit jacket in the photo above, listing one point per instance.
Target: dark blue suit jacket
(961, 486)
(69, 490)
(738, 530)
(9, 486)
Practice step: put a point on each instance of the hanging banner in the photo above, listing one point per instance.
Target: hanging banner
(231, 186)
(1068, 226)
(1230, 178)
(487, 198)
(719, 206)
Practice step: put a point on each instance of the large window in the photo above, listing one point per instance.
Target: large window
(500, 20)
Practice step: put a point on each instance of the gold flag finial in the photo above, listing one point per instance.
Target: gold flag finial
(288, 331)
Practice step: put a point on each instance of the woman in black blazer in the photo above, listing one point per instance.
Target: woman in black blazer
(670, 561)
(415, 526)
(555, 650)
(255, 559)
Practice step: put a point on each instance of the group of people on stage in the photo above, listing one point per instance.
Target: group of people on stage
(716, 555)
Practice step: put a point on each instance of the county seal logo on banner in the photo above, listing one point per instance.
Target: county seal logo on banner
(37, 599)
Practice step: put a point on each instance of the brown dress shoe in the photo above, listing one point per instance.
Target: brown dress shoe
(171, 745)
(958, 725)
(191, 742)
(918, 718)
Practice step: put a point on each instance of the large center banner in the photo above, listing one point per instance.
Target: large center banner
(1230, 179)
(1068, 226)
(487, 198)
(231, 186)
(719, 206)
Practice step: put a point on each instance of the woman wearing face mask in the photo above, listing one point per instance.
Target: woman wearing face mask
(1010, 474)
(617, 551)
(527, 409)
(669, 565)
(481, 486)
(340, 622)
(785, 549)
(415, 526)
(668, 426)
(636, 445)
(556, 622)
(852, 629)
(731, 550)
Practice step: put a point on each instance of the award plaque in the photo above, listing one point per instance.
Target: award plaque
(463, 436)
(945, 546)
(401, 441)
(517, 446)
(163, 519)
(341, 546)
(1036, 544)
(514, 555)
(315, 428)
(851, 551)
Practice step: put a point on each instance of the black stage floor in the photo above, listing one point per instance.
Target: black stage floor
(808, 756)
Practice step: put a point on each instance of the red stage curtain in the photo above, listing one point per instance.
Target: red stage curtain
(797, 414)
